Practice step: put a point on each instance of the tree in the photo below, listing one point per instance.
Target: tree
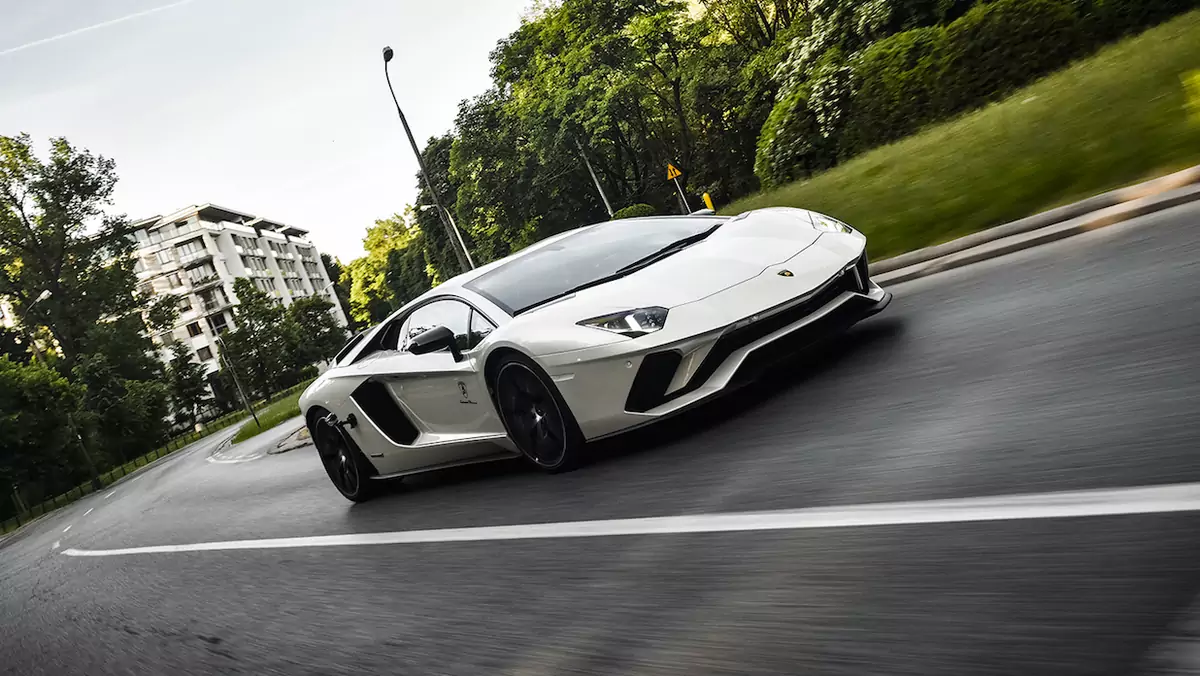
(260, 347)
(394, 271)
(35, 407)
(56, 237)
(320, 335)
(188, 384)
(93, 327)
(340, 276)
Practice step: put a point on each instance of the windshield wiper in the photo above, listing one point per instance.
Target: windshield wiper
(668, 250)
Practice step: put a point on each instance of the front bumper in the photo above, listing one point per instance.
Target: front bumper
(610, 392)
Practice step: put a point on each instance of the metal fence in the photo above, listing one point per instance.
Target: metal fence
(115, 474)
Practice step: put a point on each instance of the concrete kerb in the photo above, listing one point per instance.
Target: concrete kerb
(1090, 214)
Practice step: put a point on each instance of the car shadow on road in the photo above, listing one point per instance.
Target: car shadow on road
(867, 340)
(870, 339)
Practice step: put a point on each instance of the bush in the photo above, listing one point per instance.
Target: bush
(923, 75)
(897, 82)
(635, 211)
(791, 145)
(1107, 20)
(1001, 46)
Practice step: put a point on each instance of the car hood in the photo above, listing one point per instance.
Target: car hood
(738, 251)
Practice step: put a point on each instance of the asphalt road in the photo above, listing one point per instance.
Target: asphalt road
(1072, 366)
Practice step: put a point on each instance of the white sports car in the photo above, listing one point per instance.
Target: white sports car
(581, 336)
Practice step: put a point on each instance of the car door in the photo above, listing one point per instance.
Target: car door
(425, 410)
(444, 394)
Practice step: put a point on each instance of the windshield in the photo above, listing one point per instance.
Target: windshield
(590, 255)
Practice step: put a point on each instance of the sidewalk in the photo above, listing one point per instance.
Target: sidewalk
(1090, 214)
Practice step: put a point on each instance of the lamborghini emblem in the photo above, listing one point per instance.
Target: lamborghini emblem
(786, 273)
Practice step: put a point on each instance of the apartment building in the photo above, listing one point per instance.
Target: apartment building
(196, 253)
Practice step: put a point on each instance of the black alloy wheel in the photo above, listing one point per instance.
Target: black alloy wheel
(536, 417)
(346, 467)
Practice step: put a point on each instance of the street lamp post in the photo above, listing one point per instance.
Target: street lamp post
(237, 383)
(451, 230)
(458, 232)
(25, 315)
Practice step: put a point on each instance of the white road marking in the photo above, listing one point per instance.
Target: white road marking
(68, 527)
(1061, 505)
(90, 510)
(109, 494)
(56, 545)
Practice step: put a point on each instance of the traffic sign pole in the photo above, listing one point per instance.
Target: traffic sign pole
(673, 174)
(682, 197)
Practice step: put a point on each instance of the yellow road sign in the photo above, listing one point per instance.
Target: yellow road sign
(673, 173)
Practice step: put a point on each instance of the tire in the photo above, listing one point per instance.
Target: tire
(349, 471)
(536, 417)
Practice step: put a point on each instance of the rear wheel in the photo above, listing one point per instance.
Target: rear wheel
(536, 417)
(347, 468)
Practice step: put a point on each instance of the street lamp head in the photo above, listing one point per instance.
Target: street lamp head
(387, 54)
(43, 295)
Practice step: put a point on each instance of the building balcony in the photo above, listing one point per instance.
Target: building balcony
(215, 305)
(193, 259)
(205, 282)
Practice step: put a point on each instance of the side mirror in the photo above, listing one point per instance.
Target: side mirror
(434, 340)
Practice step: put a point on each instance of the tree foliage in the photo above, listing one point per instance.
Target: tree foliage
(35, 404)
(187, 384)
(739, 94)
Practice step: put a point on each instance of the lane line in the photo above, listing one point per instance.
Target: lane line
(68, 527)
(1059, 505)
(109, 495)
(90, 510)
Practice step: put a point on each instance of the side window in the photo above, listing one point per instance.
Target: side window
(480, 328)
(449, 313)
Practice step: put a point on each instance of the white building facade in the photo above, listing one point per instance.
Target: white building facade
(196, 253)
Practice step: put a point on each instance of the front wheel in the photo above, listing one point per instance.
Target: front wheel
(536, 417)
(347, 468)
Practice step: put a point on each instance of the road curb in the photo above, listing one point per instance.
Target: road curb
(1051, 226)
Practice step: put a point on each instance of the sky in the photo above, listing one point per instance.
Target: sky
(277, 108)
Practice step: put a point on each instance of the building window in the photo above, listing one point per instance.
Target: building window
(174, 280)
(218, 323)
(184, 304)
(214, 298)
(164, 257)
(254, 263)
(192, 248)
(204, 353)
(265, 283)
(202, 273)
(194, 329)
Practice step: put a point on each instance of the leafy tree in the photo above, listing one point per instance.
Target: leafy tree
(320, 336)
(393, 272)
(261, 344)
(56, 237)
(35, 407)
(67, 268)
(188, 384)
(340, 276)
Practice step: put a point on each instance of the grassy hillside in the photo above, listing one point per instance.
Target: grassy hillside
(1110, 120)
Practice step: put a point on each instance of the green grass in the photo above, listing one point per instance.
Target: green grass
(1110, 120)
(271, 416)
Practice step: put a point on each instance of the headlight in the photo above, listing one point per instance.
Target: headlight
(631, 323)
(826, 224)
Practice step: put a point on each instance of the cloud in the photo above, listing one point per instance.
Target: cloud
(86, 29)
